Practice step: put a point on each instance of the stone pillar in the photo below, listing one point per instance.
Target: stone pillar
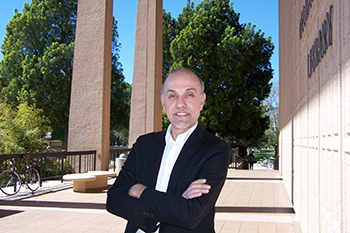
(89, 116)
(146, 109)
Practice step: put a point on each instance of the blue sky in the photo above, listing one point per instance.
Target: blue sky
(264, 14)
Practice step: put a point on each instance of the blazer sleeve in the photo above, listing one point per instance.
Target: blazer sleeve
(175, 210)
(121, 204)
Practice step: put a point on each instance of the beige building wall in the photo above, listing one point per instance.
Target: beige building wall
(146, 107)
(89, 119)
(89, 116)
(315, 111)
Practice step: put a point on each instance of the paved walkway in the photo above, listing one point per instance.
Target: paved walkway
(251, 201)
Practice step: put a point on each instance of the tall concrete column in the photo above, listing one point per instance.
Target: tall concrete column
(146, 109)
(89, 116)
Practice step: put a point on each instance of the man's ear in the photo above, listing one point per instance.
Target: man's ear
(163, 104)
(204, 97)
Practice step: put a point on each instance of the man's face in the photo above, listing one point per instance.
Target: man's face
(182, 100)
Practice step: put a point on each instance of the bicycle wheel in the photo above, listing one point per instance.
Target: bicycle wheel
(10, 182)
(258, 164)
(270, 166)
(32, 179)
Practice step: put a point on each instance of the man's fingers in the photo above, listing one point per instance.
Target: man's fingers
(196, 189)
(194, 192)
(136, 190)
(199, 181)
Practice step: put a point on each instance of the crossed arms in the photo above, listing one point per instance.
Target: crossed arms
(196, 189)
(186, 207)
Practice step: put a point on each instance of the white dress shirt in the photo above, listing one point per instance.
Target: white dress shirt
(170, 154)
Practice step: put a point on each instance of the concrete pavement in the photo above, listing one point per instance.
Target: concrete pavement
(251, 201)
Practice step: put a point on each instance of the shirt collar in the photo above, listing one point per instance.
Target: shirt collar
(182, 137)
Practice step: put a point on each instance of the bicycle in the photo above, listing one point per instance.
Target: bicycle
(267, 163)
(11, 181)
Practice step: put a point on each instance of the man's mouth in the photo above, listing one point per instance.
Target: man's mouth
(181, 114)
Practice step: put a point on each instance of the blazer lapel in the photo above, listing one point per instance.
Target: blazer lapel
(185, 155)
(154, 159)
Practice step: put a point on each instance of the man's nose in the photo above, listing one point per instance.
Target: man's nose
(181, 101)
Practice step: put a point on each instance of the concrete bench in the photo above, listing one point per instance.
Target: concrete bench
(90, 180)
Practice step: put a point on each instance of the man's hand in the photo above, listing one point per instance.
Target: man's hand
(136, 190)
(196, 189)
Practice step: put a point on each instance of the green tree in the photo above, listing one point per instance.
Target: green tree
(170, 30)
(37, 65)
(233, 60)
(38, 59)
(272, 110)
(120, 94)
(22, 130)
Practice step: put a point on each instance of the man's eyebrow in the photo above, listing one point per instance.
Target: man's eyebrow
(188, 89)
(191, 89)
(170, 90)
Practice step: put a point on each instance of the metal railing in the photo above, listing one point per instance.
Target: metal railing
(53, 165)
(236, 162)
(116, 152)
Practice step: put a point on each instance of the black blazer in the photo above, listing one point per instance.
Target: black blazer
(202, 156)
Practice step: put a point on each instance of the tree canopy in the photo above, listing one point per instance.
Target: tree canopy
(38, 58)
(120, 95)
(231, 58)
(272, 110)
(37, 65)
